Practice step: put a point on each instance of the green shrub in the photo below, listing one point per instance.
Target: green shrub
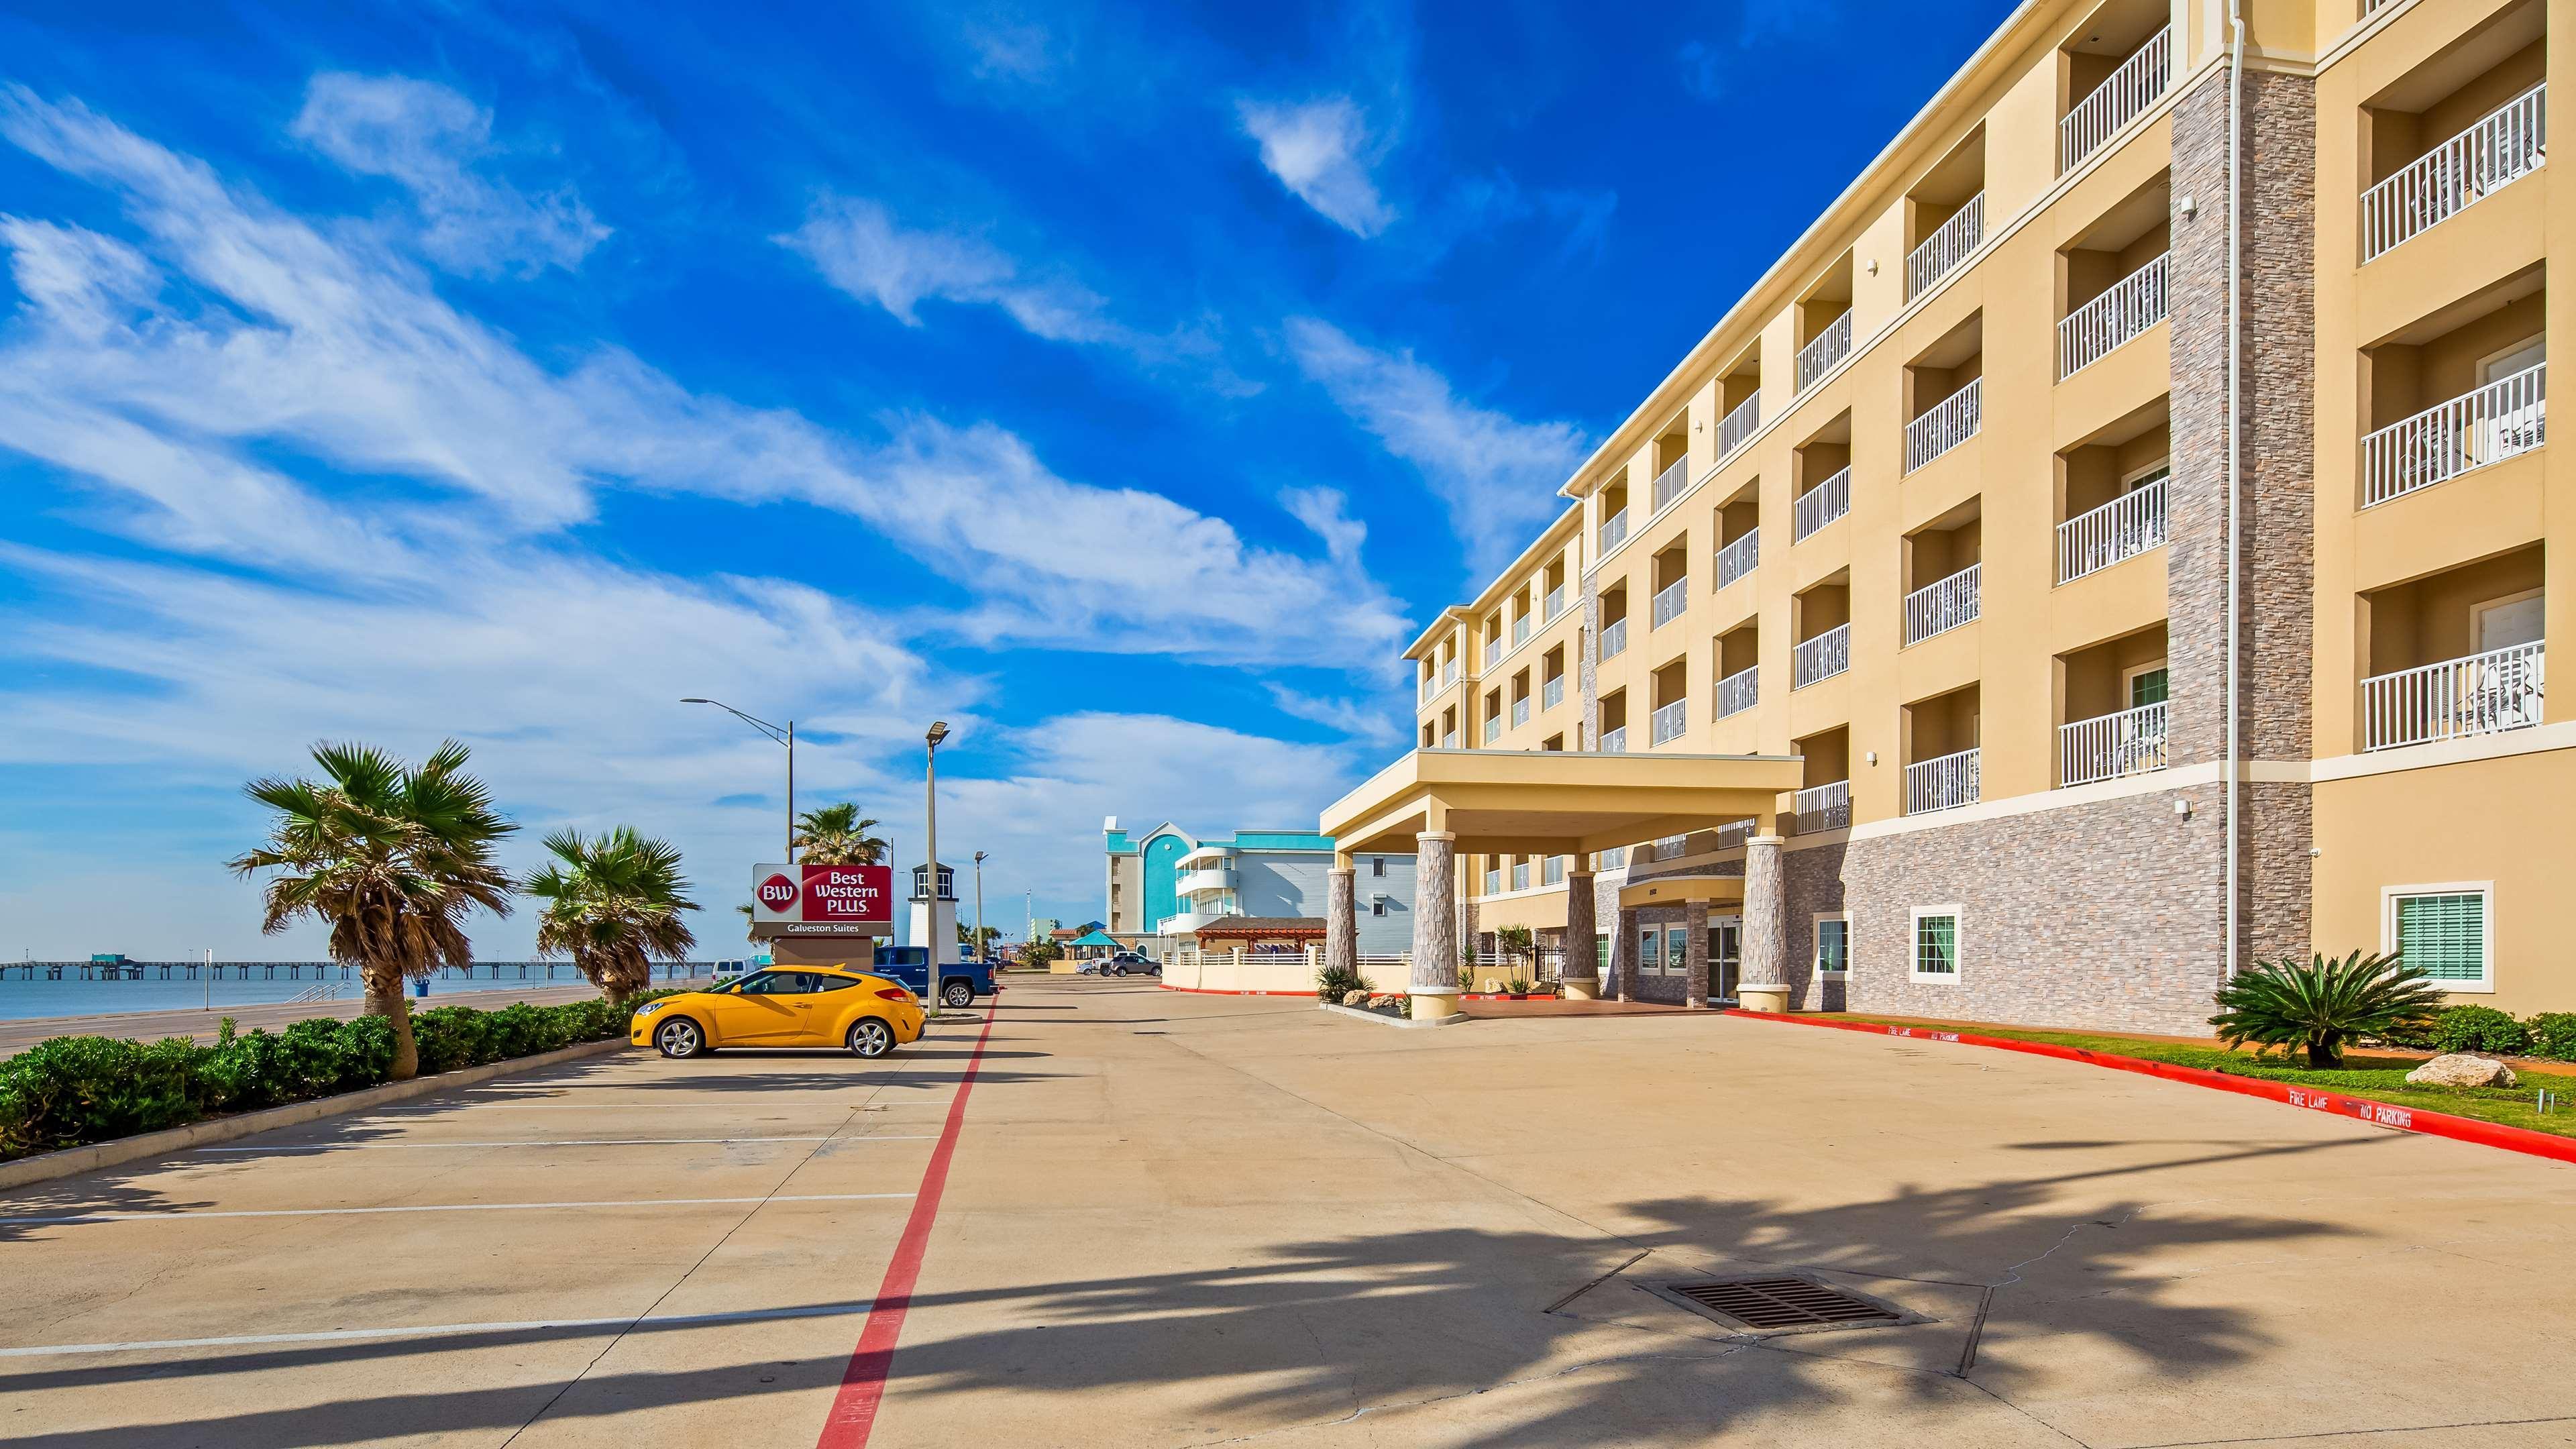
(1332, 983)
(2553, 1035)
(2477, 1029)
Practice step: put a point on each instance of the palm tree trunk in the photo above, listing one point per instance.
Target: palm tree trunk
(385, 999)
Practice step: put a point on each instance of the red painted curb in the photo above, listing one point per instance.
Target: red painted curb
(1215, 991)
(2378, 1114)
(854, 1409)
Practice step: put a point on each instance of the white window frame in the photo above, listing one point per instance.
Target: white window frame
(1958, 943)
(2129, 680)
(2388, 898)
(2485, 372)
(1816, 942)
(2131, 480)
(2478, 614)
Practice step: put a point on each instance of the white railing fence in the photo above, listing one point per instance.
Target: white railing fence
(1449, 741)
(1670, 483)
(2115, 102)
(1493, 652)
(2482, 694)
(1947, 246)
(1738, 558)
(2505, 417)
(2507, 143)
(1615, 742)
(1820, 505)
(1938, 608)
(1670, 600)
(1670, 720)
(1551, 871)
(1738, 692)
(1942, 784)
(1614, 637)
(1731, 835)
(1822, 657)
(2125, 309)
(1614, 530)
(1552, 693)
(1827, 348)
(1520, 631)
(1555, 601)
(1740, 424)
(2123, 528)
(1493, 728)
(1952, 421)
(1520, 711)
(1822, 807)
(2111, 746)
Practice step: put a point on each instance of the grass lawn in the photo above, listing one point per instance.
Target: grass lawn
(2380, 1078)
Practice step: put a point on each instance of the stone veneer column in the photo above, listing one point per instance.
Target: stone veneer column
(1341, 920)
(1765, 986)
(1581, 971)
(1434, 989)
(1623, 954)
(1695, 953)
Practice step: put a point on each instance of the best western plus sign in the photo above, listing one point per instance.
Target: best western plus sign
(823, 899)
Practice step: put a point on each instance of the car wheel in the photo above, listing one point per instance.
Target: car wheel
(870, 1037)
(679, 1038)
(957, 994)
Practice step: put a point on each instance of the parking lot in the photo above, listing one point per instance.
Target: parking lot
(1181, 1220)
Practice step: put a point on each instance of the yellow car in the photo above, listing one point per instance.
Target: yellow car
(795, 1006)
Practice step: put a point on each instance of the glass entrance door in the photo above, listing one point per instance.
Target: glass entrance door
(1725, 950)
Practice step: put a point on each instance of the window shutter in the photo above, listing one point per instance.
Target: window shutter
(2444, 936)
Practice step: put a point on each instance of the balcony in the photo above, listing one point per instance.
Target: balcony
(2123, 528)
(2114, 103)
(1449, 741)
(1555, 604)
(1493, 652)
(1668, 721)
(1449, 673)
(2127, 308)
(1737, 692)
(1520, 631)
(1188, 921)
(1822, 657)
(1669, 484)
(1946, 247)
(1493, 729)
(1739, 425)
(1551, 871)
(1615, 742)
(1820, 505)
(1731, 835)
(2483, 694)
(1670, 600)
(1520, 875)
(1552, 693)
(1738, 558)
(1614, 530)
(1614, 638)
(2509, 143)
(2499, 420)
(1429, 684)
(1823, 807)
(1939, 608)
(2112, 746)
(1829, 347)
(1952, 421)
(1943, 784)
(1494, 882)
(1209, 879)
(1520, 711)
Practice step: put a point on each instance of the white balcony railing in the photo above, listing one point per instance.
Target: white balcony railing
(1822, 657)
(1494, 881)
(1493, 652)
(2125, 309)
(2483, 694)
(1555, 604)
(2115, 102)
(1823, 807)
(1614, 530)
(1429, 683)
(1207, 880)
(2123, 528)
(1939, 608)
(1952, 421)
(1737, 693)
(1946, 247)
(1551, 871)
(1740, 424)
(1449, 741)
(1827, 348)
(2508, 143)
(1520, 711)
(1670, 600)
(1942, 784)
(1615, 742)
(2111, 746)
(1820, 505)
(1520, 875)
(1731, 835)
(1552, 693)
(1670, 483)
(1738, 558)
(1493, 728)
(2505, 417)
(1520, 631)
(1671, 847)
(1669, 721)
(1614, 637)
(1449, 672)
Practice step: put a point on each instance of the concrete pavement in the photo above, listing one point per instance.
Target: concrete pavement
(1183, 1220)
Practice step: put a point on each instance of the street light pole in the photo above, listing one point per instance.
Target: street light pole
(930, 833)
(784, 735)
(983, 952)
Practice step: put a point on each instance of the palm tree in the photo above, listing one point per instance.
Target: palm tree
(2321, 1005)
(750, 922)
(836, 835)
(391, 857)
(613, 904)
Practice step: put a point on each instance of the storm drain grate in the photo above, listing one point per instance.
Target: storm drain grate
(1775, 1303)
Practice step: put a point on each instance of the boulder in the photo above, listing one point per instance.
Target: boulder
(1355, 998)
(2459, 1069)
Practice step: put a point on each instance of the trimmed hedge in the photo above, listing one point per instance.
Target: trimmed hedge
(75, 1090)
(2551, 1034)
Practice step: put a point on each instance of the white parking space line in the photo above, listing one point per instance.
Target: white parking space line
(435, 1330)
(448, 1207)
(573, 1142)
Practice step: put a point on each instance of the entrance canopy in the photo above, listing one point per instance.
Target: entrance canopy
(1674, 890)
(1553, 802)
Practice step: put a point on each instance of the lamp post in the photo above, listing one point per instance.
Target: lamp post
(930, 833)
(983, 953)
(785, 736)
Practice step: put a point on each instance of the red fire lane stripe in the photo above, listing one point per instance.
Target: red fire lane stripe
(863, 1382)
(2379, 1114)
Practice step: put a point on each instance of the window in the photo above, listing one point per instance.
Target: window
(1833, 944)
(1377, 905)
(823, 983)
(2445, 931)
(1377, 865)
(1936, 943)
(2147, 686)
(2503, 623)
(1676, 951)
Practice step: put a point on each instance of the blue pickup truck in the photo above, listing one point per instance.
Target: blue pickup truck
(960, 982)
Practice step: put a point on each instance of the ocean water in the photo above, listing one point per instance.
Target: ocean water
(21, 999)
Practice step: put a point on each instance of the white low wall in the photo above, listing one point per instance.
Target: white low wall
(1214, 971)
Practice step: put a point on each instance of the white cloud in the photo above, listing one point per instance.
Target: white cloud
(1497, 475)
(428, 139)
(1359, 719)
(1320, 150)
(1328, 512)
(859, 249)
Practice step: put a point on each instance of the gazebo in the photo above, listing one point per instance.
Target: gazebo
(1094, 944)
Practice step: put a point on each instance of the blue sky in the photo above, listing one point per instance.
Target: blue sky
(1125, 385)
